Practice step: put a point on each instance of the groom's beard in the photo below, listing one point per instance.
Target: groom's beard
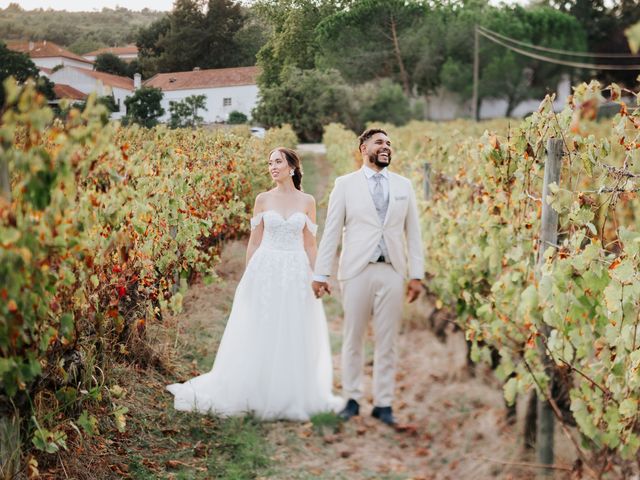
(376, 161)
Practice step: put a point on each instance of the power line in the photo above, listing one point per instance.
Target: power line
(565, 63)
(559, 52)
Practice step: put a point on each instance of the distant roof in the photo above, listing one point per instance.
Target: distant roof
(220, 77)
(126, 50)
(108, 79)
(44, 49)
(67, 91)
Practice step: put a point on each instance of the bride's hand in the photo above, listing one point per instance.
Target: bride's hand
(320, 288)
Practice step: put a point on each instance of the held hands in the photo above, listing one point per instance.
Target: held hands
(320, 288)
(414, 288)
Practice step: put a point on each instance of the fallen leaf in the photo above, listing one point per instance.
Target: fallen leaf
(422, 452)
(173, 464)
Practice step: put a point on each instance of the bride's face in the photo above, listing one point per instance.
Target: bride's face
(279, 167)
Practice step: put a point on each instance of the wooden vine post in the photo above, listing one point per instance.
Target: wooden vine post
(5, 181)
(548, 237)
(426, 180)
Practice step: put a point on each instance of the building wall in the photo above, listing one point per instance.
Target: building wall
(243, 99)
(120, 95)
(447, 105)
(88, 85)
(127, 57)
(51, 62)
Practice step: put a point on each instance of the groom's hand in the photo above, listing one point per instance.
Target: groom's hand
(414, 289)
(320, 288)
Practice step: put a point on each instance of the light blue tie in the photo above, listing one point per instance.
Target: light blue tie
(378, 198)
(381, 207)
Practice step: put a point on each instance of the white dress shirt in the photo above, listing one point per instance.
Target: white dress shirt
(369, 173)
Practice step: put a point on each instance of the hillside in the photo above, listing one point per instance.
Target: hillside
(81, 32)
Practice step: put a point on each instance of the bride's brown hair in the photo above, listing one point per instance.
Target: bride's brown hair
(294, 162)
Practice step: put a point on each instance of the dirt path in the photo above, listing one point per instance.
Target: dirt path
(454, 424)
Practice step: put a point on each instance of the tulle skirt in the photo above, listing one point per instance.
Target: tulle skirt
(274, 358)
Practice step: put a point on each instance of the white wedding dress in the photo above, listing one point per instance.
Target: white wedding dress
(274, 358)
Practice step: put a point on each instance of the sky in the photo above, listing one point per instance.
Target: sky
(97, 5)
(90, 5)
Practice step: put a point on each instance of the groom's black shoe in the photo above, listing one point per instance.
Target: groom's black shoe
(350, 410)
(384, 414)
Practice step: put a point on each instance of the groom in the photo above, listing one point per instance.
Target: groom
(374, 212)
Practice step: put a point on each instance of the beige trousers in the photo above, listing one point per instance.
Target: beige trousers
(375, 293)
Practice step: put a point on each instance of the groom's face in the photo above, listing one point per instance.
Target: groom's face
(377, 151)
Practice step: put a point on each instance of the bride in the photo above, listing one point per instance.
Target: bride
(274, 359)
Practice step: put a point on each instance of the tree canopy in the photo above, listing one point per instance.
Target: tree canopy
(144, 107)
(218, 34)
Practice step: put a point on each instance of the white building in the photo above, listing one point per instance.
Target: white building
(47, 55)
(226, 90)
(100, 83)
(126, 53)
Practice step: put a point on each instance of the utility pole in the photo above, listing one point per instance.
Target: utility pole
(476, 74)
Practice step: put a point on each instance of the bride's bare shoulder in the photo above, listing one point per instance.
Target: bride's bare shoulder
(309, 199)
(261, 200)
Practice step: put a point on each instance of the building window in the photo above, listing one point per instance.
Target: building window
(226, 102)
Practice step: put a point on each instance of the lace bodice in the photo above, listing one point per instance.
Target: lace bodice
(282, 233)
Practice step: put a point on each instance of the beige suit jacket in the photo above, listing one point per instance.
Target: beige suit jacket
(352, 215)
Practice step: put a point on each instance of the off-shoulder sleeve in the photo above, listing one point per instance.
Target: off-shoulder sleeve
(255, 221)
(313, 228)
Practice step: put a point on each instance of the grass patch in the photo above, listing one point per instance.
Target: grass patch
(326, 422)
(193, 446)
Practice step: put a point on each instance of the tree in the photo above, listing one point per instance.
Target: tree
(505, 74)
(194, 36)
(387, 104)
(183, 43)
(21, 67)
(237, 118)
(150, 45)
(223, 21)
(605, 23)
(144, 107)
(511, 76)
(293, 41)
(110, 63)
(308, 100)
(366, 42)
(250, 38)
(185, 113)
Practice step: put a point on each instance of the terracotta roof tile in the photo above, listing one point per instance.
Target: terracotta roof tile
(108, 79)
(44, 49)
(220, 77)
(67, 91)
(126, 50)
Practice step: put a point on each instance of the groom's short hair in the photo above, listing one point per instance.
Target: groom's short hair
(368, 133)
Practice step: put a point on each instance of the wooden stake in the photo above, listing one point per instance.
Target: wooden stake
(548, 237)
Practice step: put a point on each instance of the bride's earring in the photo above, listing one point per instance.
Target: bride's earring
(292, 172)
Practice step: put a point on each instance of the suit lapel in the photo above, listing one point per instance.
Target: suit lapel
(363, 185)
(392, 201)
